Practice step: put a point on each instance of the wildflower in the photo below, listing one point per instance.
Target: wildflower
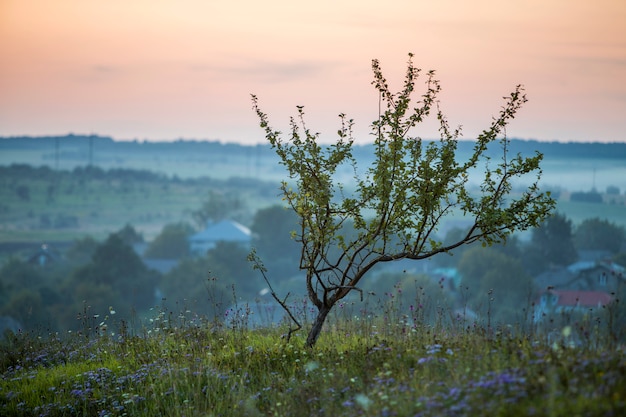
(567, 331)
(363, 401)
(432, 349)
(311, 366)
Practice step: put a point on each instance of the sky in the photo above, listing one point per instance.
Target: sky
(171, 69)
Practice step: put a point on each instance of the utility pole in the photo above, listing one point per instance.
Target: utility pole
(593, 184)
(91, 151)
(258, 160)
(56, 153)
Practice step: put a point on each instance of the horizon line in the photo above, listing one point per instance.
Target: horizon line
(243, 143)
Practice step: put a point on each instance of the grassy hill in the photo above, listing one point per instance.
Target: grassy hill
(39, 204)
(368, 367)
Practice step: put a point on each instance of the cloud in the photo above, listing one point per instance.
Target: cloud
(104, 69)
(93, 74)
(269, 71)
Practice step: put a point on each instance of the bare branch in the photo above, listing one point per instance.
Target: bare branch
(258, 265)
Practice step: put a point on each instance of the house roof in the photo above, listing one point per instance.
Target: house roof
(225, 230)
(44, 255)
(555, 278)
(608, 265)
(579, 266)
(613, 267)
(582, 298)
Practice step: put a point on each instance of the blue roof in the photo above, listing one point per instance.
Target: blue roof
(225, 230)
(581, 266)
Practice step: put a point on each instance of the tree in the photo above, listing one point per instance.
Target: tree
(18, 274)
(81, 250)
(218, 206)
(496, 283)
(591, 197)
(171, 243)
(226, 259)
(193, 285)
(116, 266)
(272, 228)
(399, 202)
(208, 282)
(612, 190)
(596, 234)
(129, 235)
(510, 247)
(27, 308)
(551, 243)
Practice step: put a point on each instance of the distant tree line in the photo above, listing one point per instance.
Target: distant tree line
(28, 172)
(586, 197)
(615, 150)
(105, 143)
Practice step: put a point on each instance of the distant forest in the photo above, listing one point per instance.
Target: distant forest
(614, 150)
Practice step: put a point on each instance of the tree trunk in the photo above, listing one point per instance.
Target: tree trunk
(315, 331)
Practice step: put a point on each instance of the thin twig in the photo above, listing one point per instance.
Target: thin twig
(258, 265)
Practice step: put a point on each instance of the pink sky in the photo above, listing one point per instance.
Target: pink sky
(169, 69)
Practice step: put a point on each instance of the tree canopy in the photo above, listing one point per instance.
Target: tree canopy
(552, 244)
(171, 243)
(597, 234)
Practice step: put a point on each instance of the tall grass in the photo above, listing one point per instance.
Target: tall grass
(376, 358)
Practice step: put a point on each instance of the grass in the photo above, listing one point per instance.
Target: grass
(361, 366)
(100, 207)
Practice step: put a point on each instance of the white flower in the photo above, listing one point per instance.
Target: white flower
(363, 401)
(567, 331)
(311, 366)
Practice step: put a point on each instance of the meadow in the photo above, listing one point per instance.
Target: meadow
(387, 364)
(66, 205)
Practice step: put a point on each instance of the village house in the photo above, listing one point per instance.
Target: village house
(558, 302)
(580, 287)
(223, 231)
(43, 256)
(600, 275)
